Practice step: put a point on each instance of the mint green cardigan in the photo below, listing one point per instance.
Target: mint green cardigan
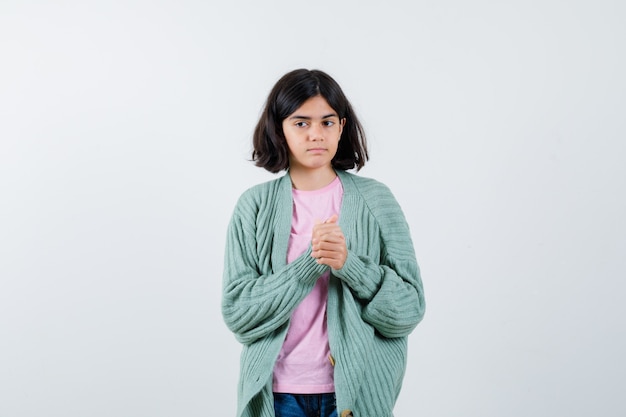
(374, 301)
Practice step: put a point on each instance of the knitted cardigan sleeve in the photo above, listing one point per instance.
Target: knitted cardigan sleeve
(388, 283)
(255, 304)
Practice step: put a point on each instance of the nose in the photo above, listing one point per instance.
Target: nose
(315, 132)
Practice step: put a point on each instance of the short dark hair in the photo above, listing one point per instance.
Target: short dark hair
(270, 150)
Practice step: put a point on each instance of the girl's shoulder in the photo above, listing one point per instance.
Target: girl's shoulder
(366, 186)
(375, 196)
(262, 192)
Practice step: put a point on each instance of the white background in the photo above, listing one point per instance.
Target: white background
(124, 143)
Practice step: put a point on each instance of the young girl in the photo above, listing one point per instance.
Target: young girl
(321, 285)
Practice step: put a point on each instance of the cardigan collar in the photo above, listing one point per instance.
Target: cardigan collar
(344, 176)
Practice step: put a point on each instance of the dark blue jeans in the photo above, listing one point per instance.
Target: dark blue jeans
(305, 405)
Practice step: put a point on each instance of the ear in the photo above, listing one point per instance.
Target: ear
(342, 123)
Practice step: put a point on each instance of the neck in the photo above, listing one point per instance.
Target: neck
(311, 180)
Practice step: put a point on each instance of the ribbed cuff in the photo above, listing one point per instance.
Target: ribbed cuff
(359, 276)
(306, 268)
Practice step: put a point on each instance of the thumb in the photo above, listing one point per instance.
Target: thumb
(332, 219)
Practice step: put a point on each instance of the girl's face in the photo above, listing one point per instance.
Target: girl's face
(312, 133)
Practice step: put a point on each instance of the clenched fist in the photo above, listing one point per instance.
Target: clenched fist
(329, 243)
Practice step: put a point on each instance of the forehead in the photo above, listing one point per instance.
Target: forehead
(314, 107)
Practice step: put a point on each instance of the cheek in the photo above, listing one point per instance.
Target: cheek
(290, 144)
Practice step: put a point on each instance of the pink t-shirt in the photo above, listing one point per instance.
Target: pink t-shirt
(303, 365)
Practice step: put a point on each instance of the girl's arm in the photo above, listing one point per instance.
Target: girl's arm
(389, 287)
(253, 304)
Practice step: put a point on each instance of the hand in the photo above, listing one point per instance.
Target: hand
(329, 244)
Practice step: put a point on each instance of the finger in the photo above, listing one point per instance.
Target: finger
(329, 240)
(328, 256)
(330, 247)
(332, 219)
(332, 260)
(329, 250)
(326, 226)
(323, 229)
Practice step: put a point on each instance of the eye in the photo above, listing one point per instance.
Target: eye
(300, 124)
(328, 123)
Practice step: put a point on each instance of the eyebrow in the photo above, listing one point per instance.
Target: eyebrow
(295, 116)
